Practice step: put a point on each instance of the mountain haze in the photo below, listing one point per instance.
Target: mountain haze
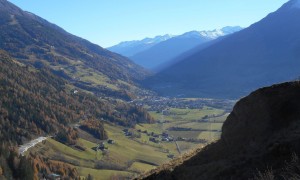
(130, 48)
(173, 47)
(265, 53)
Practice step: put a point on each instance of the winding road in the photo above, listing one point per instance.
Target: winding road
(23, 148)
(178, 148)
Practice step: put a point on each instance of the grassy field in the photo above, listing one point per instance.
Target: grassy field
(186, 146)
(128, 156)
(104, 174)
(188, 118)
(186, 114)
(97, 79)
(209, 130)
(141, 167)
(126, 149)
(213, 136)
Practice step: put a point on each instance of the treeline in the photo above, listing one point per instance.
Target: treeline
(35, 102)
(32, 103)
(33, 36)
(13, 166)
(132, 114)
(68, 137)
(95, 128)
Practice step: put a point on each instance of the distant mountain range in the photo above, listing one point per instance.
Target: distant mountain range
(130, 48)
(265, 53)
(150, 53)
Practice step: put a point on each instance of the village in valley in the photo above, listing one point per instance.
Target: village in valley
(184, 123)
(180, 125)
(158, 103)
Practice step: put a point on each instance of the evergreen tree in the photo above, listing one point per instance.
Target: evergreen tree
(25, 170)
(90, 177)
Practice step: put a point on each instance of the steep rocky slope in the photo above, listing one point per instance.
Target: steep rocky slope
(262, 133)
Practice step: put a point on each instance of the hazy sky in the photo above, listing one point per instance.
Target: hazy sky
(107, 22)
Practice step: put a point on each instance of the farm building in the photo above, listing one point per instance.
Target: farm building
(110, 141)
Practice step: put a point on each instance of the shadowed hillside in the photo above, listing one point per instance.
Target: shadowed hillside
(265, 53)
(260, 138)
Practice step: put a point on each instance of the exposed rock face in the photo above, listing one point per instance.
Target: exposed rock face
(262, 114)
(262, 132)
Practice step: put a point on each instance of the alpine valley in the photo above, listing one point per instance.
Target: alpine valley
(70, 109)
(168, 107)
(265, 53)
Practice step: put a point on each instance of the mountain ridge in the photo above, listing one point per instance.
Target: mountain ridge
(265, 53)
(130, 48)
(173, 47)
(33, 40)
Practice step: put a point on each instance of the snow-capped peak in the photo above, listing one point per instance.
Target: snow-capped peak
(157, 39)
(212, 34)
(129, 48)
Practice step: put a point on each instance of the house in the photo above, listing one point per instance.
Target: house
(101, 146)
(171, 156)
(165, 135)
(128, 134)
(165, 139)
(152, 139)
(54, 177)
(171, 138)
(156, 135)
(110, 141)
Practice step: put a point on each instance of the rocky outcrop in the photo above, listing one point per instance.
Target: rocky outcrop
(262, 132)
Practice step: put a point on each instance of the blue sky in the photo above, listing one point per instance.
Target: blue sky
(107, 22)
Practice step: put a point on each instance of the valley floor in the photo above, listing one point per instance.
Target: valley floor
(139, 149)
